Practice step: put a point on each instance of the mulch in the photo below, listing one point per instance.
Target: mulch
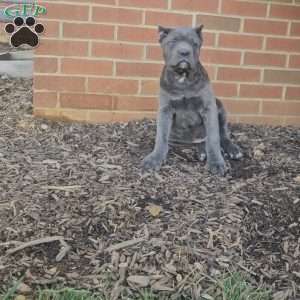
(118, 230)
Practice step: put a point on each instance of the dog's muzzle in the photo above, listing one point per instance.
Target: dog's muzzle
(182, 67)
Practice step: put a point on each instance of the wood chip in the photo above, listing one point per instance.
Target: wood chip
(139, 281)
(125, 244)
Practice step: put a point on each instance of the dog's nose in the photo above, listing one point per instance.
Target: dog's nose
(184, 52)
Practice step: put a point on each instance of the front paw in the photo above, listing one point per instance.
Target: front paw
(217, 167)
(151, 162)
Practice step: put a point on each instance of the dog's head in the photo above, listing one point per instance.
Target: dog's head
(181, 47)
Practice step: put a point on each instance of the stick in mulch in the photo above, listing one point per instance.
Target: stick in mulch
(62, 253)
(125, 244)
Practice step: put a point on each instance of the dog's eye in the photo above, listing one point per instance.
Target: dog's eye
(172, 42)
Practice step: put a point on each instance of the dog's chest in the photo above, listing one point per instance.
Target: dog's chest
(187, 124)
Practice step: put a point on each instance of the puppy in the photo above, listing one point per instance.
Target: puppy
(189, 112)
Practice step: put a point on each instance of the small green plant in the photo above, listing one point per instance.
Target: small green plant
(235, 287)
(10, 294)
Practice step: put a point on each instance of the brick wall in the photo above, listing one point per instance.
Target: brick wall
(100, 61)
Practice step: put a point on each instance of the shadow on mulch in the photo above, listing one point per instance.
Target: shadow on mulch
(82, 182)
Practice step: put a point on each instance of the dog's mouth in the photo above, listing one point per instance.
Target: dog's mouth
(182, 68)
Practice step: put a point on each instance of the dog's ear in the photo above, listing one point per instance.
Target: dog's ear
(163, 32)
(198, 30)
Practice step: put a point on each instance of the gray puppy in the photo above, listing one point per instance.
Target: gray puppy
(189, 112)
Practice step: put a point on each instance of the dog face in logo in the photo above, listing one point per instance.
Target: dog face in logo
(181, 47)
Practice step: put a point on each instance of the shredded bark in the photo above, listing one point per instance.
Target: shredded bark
(82, 182)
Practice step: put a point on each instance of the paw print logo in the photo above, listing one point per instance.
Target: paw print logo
(24, 32)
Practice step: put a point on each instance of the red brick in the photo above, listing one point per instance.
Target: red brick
(260, 91)
(291, 12)
(52, 114)
(295, 29)
(282, 76)
(51, 28)
(220, 57)
(154, 52)
(265, 27)
(66, 11)
(294, 121)
(45, 65)
(149, 87)
(211, 70)
(88, 31)
(59, 83)
(112, 86)
(264, 59)
(288, 108)
(45, 99)
(283, 44)
(219, 22)
(138, 69)
(144, 3)
(240, 41)
(101, 116)
(209, 39)
(116, 15)
(62, 48)
(135, 103)
(73, 115)
(86, 67)
(196, 5)
(238, 74)
(136, 34)
(240, 8)
(117, 50)
(294, 61)
(263, 120)
(115, 116)
(293, 93)
(107, 2)
(129, 116)
(86, 101)
(168, 19)
(241, 106)
(222, 89)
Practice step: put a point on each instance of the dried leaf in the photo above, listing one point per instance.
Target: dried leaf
(282, 295)
(24, 289)
(161, 288)
(140, 281)
(297, 179)
(154, 210)
(20, 297)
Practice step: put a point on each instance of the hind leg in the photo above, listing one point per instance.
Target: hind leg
(232, 150)
(201, 151)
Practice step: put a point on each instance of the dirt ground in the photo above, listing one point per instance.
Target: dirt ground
(116, 231)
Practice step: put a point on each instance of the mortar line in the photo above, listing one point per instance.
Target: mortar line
(289, 31)
(90, 12)
(116, 31)
(268, 9)
(114, 69)
(220, 7)
(287, 61)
